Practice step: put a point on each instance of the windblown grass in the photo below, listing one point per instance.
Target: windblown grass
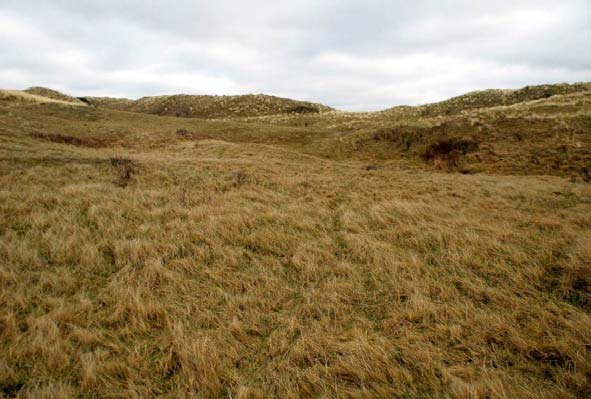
(31, 97)
(238, 261)
(53, 94)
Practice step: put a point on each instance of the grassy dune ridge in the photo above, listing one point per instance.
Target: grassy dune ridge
(150, 256)
(209, 107)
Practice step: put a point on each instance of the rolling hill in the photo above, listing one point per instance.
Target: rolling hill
(19, 96)
(492, 98)
(53, 94)
(210, 107)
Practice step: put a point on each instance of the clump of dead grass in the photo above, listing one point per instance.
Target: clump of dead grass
(239, 178)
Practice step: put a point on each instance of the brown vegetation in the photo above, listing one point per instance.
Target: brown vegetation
(66, 139)
(449, 150)
(125, 168)
(210, 107)
(277, 260)
(53, 94)
(9, 97)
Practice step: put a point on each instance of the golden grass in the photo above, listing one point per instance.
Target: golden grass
(53, 94)
(544, 136)
(232, 264)
(19, 95)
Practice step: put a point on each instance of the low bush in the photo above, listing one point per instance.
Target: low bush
(125, 169)
(448, 151)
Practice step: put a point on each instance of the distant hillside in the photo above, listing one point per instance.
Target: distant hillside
(53, 94)
(534, 130)
(284, 111)
(118, 104)
(489, 98)
(479, 100)
(24, 96)
(210, 107)
(546, 136)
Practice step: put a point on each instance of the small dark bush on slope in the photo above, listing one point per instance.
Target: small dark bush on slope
(125, 169)
(449, 150)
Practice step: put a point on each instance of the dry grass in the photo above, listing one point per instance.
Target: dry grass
(53, 94)
(243, 267)
(544, 136)
(24, 96)
(211, 107)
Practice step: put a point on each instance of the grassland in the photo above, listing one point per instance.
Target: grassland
(303, 255)
(208, 107)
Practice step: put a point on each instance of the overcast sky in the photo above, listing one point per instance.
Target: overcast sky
(349, 54)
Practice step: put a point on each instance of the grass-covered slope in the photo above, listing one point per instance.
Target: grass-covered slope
(11, 97)
(545, 136)
(148, 256)
(53, 94)
(478, 101)
(211, 107)
(118, 104)
(549, 136)
(493, 98)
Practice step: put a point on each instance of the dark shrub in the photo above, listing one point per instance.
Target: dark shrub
(586, 174)
(239, 178)
(125, 169)
(304, 109)
(183, 133)
(71, 140)
(449, 150)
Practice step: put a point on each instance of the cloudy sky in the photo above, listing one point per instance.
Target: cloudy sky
(350, 54)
